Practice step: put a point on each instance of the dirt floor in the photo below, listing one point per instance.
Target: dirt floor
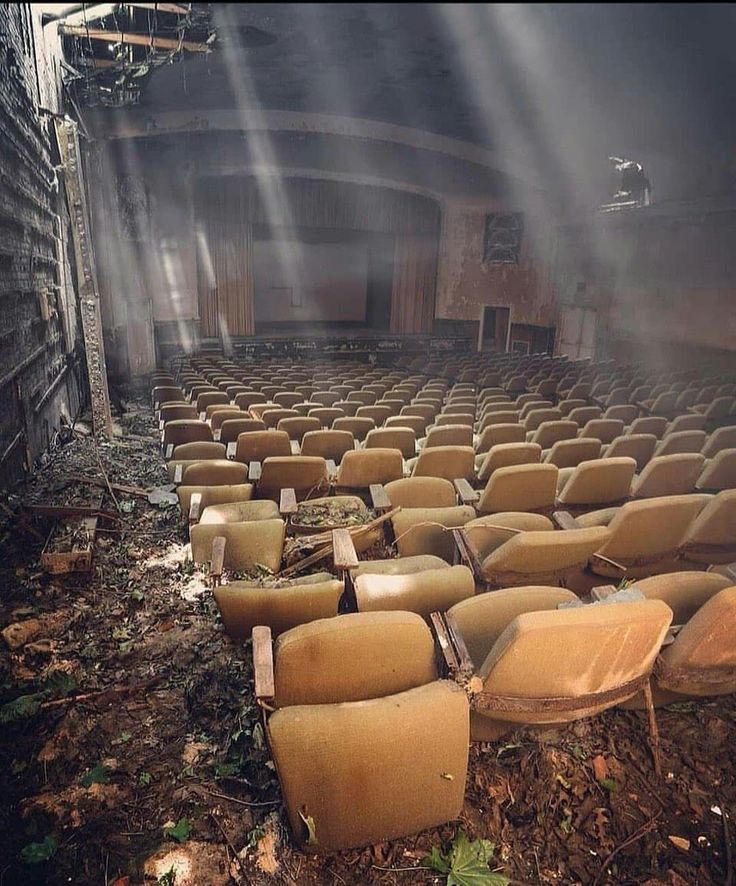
(131, 749)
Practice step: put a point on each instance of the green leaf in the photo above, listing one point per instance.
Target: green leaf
(122, 738)
(180, 831)
(466, 864)
(98, 774)
(437, 861)
(144, 779)
(609, 784)
(34, 853)
(20, 708)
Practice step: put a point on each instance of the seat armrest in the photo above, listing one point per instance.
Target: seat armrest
(343, 550)
(565, 520)
(287, 502)
(469, 555)
(263, 670)
(381, 501)
(195, 508)
(169, 454)
(178, 473)
(254, 471)
(156, 406)
(161, 424)
(295, 448)
(217, 561)
(202, 416)
(232, 448)
(466, 493)
(331, 469)
(216, 435)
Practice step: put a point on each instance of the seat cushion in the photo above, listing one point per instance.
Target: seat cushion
(434, 590)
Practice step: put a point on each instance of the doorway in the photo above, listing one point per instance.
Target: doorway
(493, 333)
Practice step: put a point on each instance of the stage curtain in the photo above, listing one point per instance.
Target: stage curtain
(225, 275)
(415, 277)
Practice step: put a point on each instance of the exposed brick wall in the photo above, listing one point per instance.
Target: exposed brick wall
(39, 342)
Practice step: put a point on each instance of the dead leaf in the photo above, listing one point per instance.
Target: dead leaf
(600, 767)
(680, 842)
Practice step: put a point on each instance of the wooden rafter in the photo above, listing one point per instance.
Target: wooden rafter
(135, 39)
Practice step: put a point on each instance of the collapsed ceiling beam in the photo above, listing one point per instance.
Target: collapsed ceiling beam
(135, 39)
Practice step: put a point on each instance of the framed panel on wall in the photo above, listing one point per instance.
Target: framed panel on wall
(502, 238)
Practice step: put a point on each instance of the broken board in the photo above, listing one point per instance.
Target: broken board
(70, 544)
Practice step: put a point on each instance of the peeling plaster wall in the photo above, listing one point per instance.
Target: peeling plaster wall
(663, 278)
(42, 381)
(465, 284)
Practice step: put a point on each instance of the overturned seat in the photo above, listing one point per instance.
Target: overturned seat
(553, 666)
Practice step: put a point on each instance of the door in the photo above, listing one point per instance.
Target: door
(577, 332)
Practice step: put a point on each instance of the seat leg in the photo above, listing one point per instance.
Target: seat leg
(653, 729)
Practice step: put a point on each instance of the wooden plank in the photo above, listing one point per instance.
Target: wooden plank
(287, 502)
(195, 507)
(254, 471)
(379, 498)
(468, 553)
(465, 491)
(263, 662)
(218, 559)
(343, 550)
(444, 643)
(565, 520)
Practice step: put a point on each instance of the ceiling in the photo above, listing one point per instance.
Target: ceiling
(558, 87)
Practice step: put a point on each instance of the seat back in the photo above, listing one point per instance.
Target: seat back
(624, 412)
(186, 431)
(433, 590)
(702, 660)
(449, 435)
(530, 487)
(421, 492)
(380, 757)
(425, 530)
(232, 428)
(213, 495)
(583, 414)
(449, 462)
(361, 469)
(502, 433)
(683, 592)
(686, 423)
(247, 545)
(668, 475)
(260, 445)
(353, 658)
(535, 418)
(306, 475)
(571, 653)
(403, 439)
(680, 441)
(603, 429)
(296, 428)
(505, 455)
(549, 432)
(601, 481)
(328, 444)
(203, 449)
(358, 427)
(177, 411)
(644, 532)
(482, 619)
(640, 447)
(712, 536)
(210, 398)
(720, 472)
(379, 414)
(243, 606)
(162, 394)
(570, 453)
(542, 556)
(214, 472)
(652, 424)
(271, 417)
(721, 438)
